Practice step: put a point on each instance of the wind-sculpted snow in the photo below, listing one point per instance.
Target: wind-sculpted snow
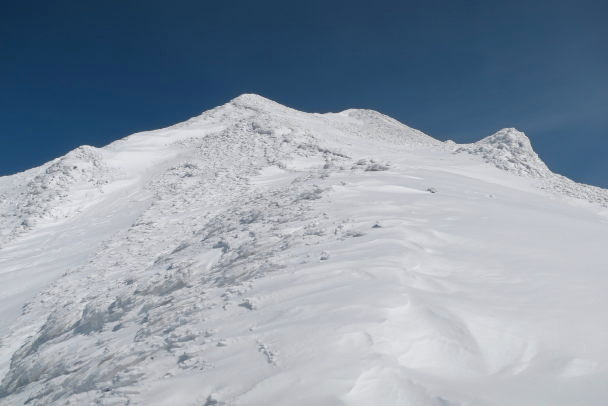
(60, 189)
(563, 186)
(510, 150)
(258, 255)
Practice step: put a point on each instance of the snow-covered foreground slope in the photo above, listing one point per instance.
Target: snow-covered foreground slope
(256, 255)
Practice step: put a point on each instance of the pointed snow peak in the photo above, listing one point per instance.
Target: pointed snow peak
(510, 150)
(241, 106)
(509, 138)
(254, 101)
(250, 98)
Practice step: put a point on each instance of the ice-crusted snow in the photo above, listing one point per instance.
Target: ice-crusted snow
(61, 188)
(510, 150)
(258, 255)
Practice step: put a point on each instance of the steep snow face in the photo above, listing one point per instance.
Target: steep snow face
(260, 255)
(510, 150)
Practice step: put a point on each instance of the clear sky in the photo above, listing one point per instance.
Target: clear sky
(83, 72)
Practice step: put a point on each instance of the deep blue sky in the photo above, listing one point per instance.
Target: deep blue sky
(81, 72)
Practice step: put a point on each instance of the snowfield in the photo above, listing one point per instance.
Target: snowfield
(258, 255)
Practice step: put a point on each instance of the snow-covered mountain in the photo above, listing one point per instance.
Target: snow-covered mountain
(258, 255)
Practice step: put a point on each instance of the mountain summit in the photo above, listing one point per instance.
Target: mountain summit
(259, 255)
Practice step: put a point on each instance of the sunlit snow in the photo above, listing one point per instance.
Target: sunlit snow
(258, 255)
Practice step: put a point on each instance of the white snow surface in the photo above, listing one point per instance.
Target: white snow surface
(510, 150)
(258, 255)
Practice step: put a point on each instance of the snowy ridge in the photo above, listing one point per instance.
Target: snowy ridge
(562, 186)
(78, 176)
(385, 128)
(259, 255)
(510, 150)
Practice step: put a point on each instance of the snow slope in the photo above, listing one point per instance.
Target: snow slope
(258, 255)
